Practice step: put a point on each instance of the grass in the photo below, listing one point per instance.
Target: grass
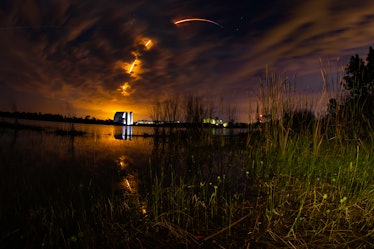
(293, 196)
(279, 188)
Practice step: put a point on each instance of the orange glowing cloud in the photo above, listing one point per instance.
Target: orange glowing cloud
(132, 66)
(146, 42)
(148, 45)
(133, 69)
(125, 89)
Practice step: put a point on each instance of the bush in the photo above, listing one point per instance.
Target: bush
(298, 120)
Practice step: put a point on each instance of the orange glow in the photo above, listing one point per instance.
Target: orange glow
(132, 66)
(146, 42)
(129, 181)
(134, 69)
(148, 45)
(122, 162)
(121, 100)
(123, 65)
(125, 89)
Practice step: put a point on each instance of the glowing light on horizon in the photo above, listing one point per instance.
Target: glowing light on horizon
(198, 20)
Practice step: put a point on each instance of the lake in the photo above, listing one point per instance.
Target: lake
(130, 149)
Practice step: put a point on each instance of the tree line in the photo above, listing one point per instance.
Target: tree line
(52, 117)
(355, 109)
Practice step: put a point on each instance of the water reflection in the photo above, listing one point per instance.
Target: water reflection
(125, 133)
(126, 160)
(129, 182)
(97, 150)
(103, 149)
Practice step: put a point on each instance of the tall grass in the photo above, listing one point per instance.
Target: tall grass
(294, 188)
(322, 183)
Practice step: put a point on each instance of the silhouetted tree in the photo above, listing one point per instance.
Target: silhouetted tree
(359, 82)
(195, 111)
(299, 120)
(355, 73)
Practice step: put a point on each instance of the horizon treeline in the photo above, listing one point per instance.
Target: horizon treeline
(52, 117)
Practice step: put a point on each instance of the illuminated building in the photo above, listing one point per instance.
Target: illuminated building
(124, 118)
(216, 121)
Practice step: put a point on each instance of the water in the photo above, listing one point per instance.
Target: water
(108, 148)
(54, 176)
(104, 149)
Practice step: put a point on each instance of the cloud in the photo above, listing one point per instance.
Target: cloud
(81, 52)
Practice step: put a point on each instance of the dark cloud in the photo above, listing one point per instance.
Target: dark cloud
(79, 53)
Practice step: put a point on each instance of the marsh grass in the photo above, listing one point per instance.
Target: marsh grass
(297, 191)
(275, 188)
(291, 188)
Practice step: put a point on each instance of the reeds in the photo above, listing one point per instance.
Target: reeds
(312, 184)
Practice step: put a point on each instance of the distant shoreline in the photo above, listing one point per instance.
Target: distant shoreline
(61, 118)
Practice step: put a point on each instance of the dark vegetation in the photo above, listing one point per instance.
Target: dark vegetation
(355, 109)
(292, 181)
(17, 126)
(53, 117)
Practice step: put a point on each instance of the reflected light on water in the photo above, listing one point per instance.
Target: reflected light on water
(144, 208)
(129, 183)
(123, 164)
(126, 133)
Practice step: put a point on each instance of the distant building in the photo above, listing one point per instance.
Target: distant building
(155, 122)
(124, 118)
(216, 121)
(145, 122)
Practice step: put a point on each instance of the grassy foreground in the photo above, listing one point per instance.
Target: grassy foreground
(281, 190)
(270, 189)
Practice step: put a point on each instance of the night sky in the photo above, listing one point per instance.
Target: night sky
(96, 57)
